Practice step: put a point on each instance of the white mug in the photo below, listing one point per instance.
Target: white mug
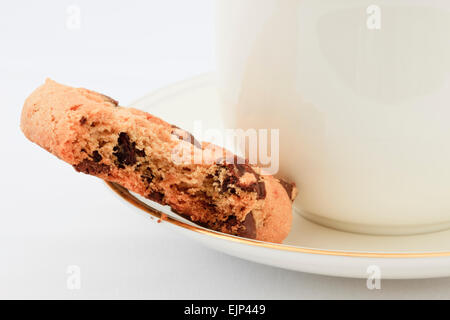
(360, 91)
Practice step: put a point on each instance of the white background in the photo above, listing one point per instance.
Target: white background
(51, 217)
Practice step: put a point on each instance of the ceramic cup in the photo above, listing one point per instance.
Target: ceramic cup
(360, 91)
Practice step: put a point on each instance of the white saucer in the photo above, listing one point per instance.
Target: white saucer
(309, 247)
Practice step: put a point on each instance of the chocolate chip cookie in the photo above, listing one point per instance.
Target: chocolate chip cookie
(155, 159)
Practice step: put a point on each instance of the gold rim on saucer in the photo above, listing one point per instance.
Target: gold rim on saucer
(126, 195)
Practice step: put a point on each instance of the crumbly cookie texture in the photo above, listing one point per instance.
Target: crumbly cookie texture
(159, 161)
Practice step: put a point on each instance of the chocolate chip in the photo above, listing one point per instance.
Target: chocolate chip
(289, 187)
(229, 180)
(83, 120)
(234, 172)
(231, 221)
(101, 143)
(126, 151)
(239, 165)
(249, 230)
(242, 169)
(96, 156)
(208, 206)
(140, 153)
(157, 197)
(90, 167)
(261, 190)
(148, 175)
(258, 187)
(186, 136)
